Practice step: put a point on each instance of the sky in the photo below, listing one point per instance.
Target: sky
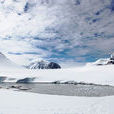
(70, 32)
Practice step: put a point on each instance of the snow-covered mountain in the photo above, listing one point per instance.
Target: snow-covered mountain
(42, 64)
(104, 61)
(7, 63)
(39, 64)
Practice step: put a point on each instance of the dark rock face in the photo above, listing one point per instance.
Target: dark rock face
(53, 65)
(110, 62)
(26, 7)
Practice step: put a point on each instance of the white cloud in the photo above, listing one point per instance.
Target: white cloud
(55, 25)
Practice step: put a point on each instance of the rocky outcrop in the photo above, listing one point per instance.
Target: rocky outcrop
(53, 65)
(112, 56)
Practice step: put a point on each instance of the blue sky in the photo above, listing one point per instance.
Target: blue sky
(66, 31)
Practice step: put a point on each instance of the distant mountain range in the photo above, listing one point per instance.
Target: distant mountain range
(42, 64)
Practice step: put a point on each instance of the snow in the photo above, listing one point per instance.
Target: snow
(103, 61)
(14, 102)
(89, 74)
(100, 62)
(7, 63)
(42, 64)
(39, 64)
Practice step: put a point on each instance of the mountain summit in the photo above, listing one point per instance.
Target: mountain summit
(43, 65)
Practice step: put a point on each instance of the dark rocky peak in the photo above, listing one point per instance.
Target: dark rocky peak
(43, 65)
(53, 65)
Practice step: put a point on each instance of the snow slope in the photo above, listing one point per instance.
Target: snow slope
(13, 102)
(90, 74)
(5, 62)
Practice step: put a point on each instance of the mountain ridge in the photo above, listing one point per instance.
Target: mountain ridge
(42, 64)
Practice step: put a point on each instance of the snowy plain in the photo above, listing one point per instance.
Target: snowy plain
(15, 102)
(89, 74)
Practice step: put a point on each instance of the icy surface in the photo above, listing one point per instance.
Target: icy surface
(12, 102)
(77, 89)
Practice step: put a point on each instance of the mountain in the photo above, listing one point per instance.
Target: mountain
(7, 63)
(43, 65)
(38, 65)
(104, 61)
